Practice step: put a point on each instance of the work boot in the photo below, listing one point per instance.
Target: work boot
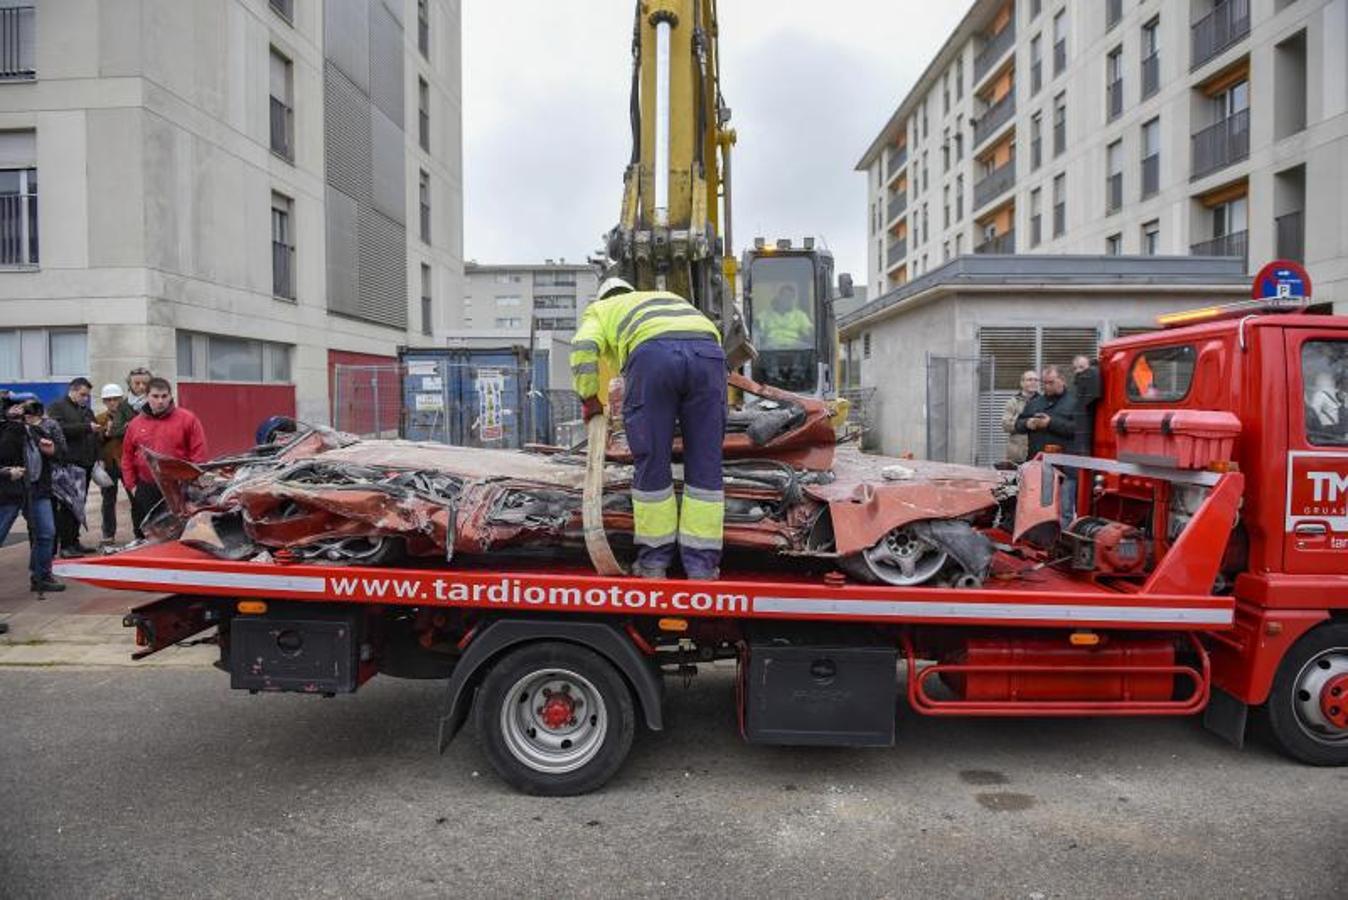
(75, 552)
(4, 628)
(46, 585)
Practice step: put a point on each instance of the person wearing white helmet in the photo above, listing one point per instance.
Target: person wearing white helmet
(112, 423)
(675, 374)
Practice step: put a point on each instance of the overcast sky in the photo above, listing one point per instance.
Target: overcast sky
(810, 84)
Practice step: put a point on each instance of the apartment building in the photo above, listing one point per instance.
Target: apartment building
(244, 195)
(513, 301)
(1122, 127)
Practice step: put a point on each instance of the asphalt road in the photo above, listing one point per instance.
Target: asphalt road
(158, 783)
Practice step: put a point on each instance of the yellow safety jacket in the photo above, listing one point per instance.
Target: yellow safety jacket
(785, 330)
(615, 326)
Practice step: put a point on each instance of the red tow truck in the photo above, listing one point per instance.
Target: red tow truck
(1206, 572)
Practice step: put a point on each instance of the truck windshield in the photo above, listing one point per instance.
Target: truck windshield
(781, 302)
(1324, 382)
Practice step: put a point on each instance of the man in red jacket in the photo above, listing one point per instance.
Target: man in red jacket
(167, 430)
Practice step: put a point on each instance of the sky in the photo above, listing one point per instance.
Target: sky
(810, 85)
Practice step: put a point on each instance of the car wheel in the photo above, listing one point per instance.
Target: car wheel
(903, 557)
(555, 719)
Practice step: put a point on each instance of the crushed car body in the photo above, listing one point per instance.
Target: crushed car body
(791, 487)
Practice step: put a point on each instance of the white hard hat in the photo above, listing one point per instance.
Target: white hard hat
(613, 286)
(111, 390)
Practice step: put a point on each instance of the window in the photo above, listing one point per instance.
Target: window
(509, 322)
(959, 138)
(217, 357)
(424, 28)
(926, 182)
(945, 93)
(1060, 124)
(945, 251)
(1036, 64)
(424, 198)
(508, 300)
(18, 209)
(1231, 217)
(1114, 244)
(283, 8)
(1233, 100)
(1036, 141)
(1114, 176)
(39, 354)
(282, 106)
(16, 42)
(959, 197)
(1113, 12)
(1151, 57)
(1036, 217)
(945, 205)
(1060, 42)
(1151, 238)
(1059, 204)
(1036, 7)
(926, 230)
(959, 244)
(1151, 157)
(282, 247)
(866, 345)
(424, 114)
(1114, 83)
(426, 311)
(1161, 375)
(945, 151)
(1324, 381)
(959, 79)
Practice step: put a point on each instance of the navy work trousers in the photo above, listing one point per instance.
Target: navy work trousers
(683, 381)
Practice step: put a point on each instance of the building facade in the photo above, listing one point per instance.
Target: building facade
(1196, 127)
(514, 301)
(982, 320)
(243, 195)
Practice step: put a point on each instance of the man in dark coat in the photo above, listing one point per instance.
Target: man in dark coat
(82, 436)
(28, 451)
(1051, 419)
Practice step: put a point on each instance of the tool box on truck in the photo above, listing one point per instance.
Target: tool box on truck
(1182, 438)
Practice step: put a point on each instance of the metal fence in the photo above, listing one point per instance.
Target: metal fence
(863, 407)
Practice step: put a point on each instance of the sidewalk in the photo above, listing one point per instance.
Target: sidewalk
(82, 625)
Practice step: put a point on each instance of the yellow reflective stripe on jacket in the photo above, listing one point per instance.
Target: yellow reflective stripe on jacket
(612, 328)
(701, 518)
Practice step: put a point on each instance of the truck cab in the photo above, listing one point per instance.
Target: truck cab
(1284, 378)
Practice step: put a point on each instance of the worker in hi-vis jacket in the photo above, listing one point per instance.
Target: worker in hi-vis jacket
(674, 371)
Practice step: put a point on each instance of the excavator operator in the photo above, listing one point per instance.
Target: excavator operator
(784, 325)
(674, 371)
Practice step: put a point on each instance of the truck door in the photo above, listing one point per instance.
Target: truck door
(1316, 533)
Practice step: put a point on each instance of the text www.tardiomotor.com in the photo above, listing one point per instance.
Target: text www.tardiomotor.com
(513, 592)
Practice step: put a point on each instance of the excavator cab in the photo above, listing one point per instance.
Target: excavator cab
(788, 306)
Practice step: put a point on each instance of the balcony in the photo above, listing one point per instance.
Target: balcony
(18, 230)
(994, 184)
(1220, 145)
(994, 50)
(1151, 75)
(282, 129)
(896, 159)
(1290, 238)
(1002, 243)
(1228, 23)
(282, 270)
(1114, 99)
(1233, 244)
(896, 205)
(1113, 193)
(896, 252)
(1151, 175)
(994, 117)
(1059, 56)
(16, 44)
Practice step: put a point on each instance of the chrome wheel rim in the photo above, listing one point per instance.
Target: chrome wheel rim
(553, 721)
(1320, 697)
(903, 558)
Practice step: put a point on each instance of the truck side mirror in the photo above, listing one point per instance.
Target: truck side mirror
(845, 285)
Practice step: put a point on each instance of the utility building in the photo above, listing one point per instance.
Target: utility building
(242, 195)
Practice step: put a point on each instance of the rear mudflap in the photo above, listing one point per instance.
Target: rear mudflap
(168, 621)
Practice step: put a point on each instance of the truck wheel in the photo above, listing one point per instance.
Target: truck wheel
(555, 719)
(1307, 709)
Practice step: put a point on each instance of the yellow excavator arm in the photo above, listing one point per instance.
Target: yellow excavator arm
(674, 232)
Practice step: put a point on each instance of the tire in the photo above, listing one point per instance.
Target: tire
(1302, 711)
(555, 719)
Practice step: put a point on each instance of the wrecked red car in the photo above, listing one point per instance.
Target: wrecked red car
(792, 487)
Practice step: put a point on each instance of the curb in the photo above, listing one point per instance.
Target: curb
(42, 640)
